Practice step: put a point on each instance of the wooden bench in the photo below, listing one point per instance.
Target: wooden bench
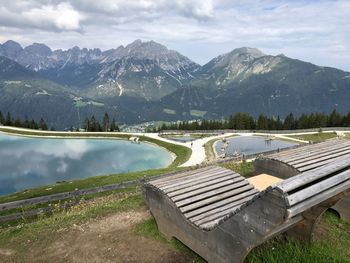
(221, 216)
(288, 163)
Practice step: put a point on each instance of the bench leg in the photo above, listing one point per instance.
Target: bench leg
(304, 231)
(342, 207)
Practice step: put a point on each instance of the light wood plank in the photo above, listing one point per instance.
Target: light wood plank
(222, 208)
(317, 188)
(310, 176)
(193, 179)
(215, 198)
(195, 186)
(208, 189)
(204, 209)
(303, 206)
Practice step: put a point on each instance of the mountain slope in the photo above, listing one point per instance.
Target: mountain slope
(141, 69)
(24, 93)
(145, 81)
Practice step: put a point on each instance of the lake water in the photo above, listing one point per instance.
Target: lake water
(251, 145)
(31, 162)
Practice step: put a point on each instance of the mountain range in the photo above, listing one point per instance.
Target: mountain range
(146, 81)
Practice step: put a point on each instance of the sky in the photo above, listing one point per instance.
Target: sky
(317, 31)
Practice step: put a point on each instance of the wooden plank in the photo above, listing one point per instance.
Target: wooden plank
(215, 198)
(194, 186)
(321, 155)
(317, 188)
(164, 180)
(320, 158)
(193, 175)
(315, 200)
(302, 149)
(205, 180)
(208, 189)
(168, 179)
(189, 181)
(310, 176)
(314, 153)
(304, 152)
(209, 194)
(222, 208)
(218, 216)
(204, 209)
(319, 164)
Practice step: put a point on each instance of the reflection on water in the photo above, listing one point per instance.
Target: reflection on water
(30, 162)
(250, 145)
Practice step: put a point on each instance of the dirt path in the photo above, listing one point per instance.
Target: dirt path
(108, 239)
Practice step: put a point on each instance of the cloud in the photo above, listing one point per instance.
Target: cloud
(318, 31)
(57, 18)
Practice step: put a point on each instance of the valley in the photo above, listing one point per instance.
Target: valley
(146, 81)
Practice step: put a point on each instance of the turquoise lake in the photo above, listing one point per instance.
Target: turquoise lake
(30, 162)
(251, 145)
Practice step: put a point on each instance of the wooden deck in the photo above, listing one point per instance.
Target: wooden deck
(291, 162)
(208, 195)
(221, 216)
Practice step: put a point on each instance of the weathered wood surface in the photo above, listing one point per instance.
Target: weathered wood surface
(207, 191)
(329, 154)
(224, 217)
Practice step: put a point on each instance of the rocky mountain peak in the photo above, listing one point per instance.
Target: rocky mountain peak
(248, 50)
(146, 50)
(11, 49)
(38, 49)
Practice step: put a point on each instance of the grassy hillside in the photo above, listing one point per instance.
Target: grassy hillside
(333, 236)
(317, 137)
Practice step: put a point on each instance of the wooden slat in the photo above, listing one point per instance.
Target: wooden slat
(306, 148)
(209, 194)
(297, 150)
(192, 175)
(219, 215)
(216, 198)
(323, 157)
(248, 194)
(319, 164)
(207, 179)
(193, 179)
(207, 189)
(222, 208)
(322, 154)
(317, 188)
(217, 179)
(303, 206)
(304, 152)
(314, 153)
(310, 176)
(174, 178)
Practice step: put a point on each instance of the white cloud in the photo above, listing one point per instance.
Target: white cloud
(61, 16)
(318, 31)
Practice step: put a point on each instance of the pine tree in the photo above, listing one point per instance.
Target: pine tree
(334, 120)
(2, 120)
(105, 122)
(42, 124)
(8, 121)
(18, 122)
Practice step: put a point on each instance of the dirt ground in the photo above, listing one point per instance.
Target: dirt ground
(108, 239)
